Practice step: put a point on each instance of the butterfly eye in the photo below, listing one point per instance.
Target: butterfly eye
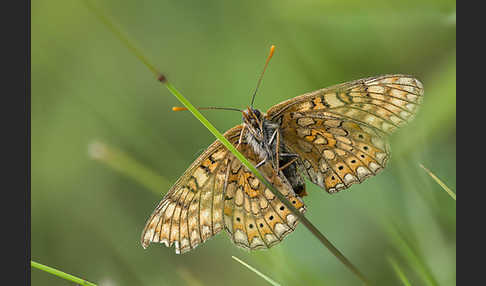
(257, 113)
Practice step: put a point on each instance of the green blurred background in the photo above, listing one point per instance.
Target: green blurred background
(87, 87)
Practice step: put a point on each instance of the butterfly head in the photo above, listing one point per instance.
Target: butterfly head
(253, 118)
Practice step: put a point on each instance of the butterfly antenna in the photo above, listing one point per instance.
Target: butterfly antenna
(272, 50)
(178, 108)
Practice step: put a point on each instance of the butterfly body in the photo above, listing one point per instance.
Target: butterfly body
(260, 134)
(335, 137)
(264, 137)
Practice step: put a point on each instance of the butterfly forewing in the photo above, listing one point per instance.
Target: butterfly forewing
(339, 132)
(334, 153)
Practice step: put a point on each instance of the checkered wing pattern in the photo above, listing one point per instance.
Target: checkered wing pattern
(218, 192)
(339, 133)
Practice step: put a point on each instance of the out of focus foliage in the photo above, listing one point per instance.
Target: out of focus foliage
(86, 86)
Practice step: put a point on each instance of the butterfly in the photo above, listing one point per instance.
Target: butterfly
(335, 137)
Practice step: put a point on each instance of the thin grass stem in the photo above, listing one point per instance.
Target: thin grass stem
(123, 163)
(398, 270)
(268, 279)
(61, 274)
(124, 38)
(438, 181)
(411, 254)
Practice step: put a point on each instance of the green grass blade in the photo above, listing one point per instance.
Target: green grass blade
(411, 254)
(61, 274)
(123, 163)
(269, 280)
(122, 37)
(262, 179)
(398, 270)
(226, 143)
(436, 179)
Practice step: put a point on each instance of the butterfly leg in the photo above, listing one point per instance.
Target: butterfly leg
(277, 153)
(241, 136)
(276, 135)
(274, 174)
(273, 137)
(288, 164)
(288, 155)
(261, 163)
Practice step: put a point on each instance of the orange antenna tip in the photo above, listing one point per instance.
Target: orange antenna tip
(272, 50)
(178, 108)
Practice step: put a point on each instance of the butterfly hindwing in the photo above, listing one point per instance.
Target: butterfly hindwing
(191, 211)
(254, 217)
(339, 132)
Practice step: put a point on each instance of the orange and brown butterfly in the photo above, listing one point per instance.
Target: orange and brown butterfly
(335, 137)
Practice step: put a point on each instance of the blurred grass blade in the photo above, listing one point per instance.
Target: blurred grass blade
(226, 143)
(451, 19)
(257, 272)
(188, 277)
(109, 23)
(414, 259)
(61, 274)
(399, 272)
(444, 186)
(123, 163)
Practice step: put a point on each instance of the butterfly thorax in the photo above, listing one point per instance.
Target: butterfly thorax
(260, 134)
(263, 135)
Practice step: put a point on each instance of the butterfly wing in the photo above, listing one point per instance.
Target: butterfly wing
(216, 191)
(254, 217)
(191, 211)
(339, 132)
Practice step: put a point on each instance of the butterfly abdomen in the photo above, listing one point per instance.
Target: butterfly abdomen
(267, 149)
